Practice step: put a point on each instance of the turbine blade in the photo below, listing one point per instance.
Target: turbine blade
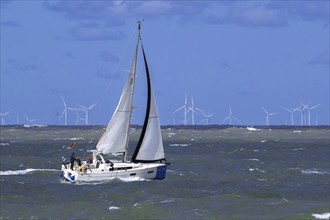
(264, 109)
(92, 106)
(63, 101)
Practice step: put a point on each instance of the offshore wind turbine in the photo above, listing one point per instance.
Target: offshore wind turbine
(65, 112)
(86, 110)
(3, 115)
(291, 110)
(194, 110)
(78, 119)
(268, 115)
(29, 121)
(301, 115)
(207, 117)
(184, 107)
(230, 117)
(309, 111)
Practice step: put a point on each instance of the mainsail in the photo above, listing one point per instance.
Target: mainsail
(115, 138)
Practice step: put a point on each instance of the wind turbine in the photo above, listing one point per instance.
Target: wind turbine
(309, 111)
(3, 115)
(291, 110)
(268, 115)
(301, 115)
(29, 121)
(207, 116)
(65, 112)
(86, 110)
(230, 117)
(78, 116)
(185, 107)
(194, 110)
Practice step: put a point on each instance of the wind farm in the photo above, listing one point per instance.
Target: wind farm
(188, 114)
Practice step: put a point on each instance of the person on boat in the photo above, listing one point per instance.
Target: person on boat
(72, 160)
(78, 161)
(90, 159)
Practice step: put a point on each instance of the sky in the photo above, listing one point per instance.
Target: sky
(238, 55)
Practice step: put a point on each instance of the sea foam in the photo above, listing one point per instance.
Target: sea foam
(322, 216)
(313, 171)
(23, 172)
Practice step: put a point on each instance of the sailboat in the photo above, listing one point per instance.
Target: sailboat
(148, 160)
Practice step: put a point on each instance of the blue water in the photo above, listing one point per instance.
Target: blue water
(215, 173)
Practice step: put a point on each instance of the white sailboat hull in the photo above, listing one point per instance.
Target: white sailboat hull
(114, 170)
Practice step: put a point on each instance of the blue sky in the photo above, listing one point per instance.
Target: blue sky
(243, 54)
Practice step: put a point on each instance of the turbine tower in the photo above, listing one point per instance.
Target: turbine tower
(230, 117)
(86, 110)
(268, 115)
(2, 116)
(184, 107)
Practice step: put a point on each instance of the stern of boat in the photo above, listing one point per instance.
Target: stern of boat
(161, 172)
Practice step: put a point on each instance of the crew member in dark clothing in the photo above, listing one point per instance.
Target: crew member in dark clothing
(72, 160)
(78, 161)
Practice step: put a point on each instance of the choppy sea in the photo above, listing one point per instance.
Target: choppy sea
(215, 173)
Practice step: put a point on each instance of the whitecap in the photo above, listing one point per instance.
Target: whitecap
(132, 179)
(167, 201)
(253, 159)
(4, 144)
(252, 129)
(256, 169)
(179, 145)
(114, 208)
(322, 216)
(313, 171)
(298, 149)
(23, 172)
(74, 139)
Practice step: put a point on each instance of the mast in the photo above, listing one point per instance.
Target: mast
(116, 137)
(134, 70)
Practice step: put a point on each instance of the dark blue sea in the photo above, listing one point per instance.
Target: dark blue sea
(215, 173)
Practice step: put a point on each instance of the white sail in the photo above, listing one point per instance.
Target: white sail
(152, 145)
(115, 138)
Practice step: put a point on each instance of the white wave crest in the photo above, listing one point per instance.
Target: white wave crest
(23, 172)
(257, 169)
(253, 159)
(114, 208)
(313, 171)
(252, 129)
(322, 216)
(167, 201)
(132, 179)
